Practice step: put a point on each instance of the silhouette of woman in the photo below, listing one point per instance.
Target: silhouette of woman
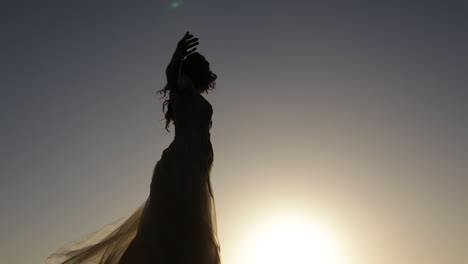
(177, 222)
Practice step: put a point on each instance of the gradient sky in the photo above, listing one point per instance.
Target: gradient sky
(355, 112)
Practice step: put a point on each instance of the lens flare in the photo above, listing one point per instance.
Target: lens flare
(175, 4)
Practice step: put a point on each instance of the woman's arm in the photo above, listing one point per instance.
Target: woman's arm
(185, 46)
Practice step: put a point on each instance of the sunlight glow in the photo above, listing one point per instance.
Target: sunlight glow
(291, 240)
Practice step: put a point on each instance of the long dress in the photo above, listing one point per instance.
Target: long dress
(177, 222)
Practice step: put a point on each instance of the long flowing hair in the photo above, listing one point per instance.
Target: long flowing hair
(197, 68)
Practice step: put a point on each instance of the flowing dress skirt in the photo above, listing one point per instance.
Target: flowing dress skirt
(176, 224)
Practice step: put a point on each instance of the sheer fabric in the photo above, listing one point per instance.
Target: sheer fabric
(177, 222)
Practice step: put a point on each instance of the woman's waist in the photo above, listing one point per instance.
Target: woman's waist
(193, 150)
(192, 141)
(197, 137)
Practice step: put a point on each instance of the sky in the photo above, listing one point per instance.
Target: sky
(351, 111)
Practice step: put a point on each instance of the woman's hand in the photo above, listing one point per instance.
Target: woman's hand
(185, 46)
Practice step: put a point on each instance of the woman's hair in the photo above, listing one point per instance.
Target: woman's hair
(197, 68)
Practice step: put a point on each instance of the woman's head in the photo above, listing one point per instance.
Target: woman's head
(197, 68)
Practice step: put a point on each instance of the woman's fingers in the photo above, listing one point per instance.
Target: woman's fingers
(191, 45)
(190, 41)
(187, 45)
(190, 51)
(186, 36)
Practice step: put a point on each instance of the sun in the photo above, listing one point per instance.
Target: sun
(291, 239)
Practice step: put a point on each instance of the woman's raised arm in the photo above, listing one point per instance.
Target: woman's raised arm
(185, 46)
